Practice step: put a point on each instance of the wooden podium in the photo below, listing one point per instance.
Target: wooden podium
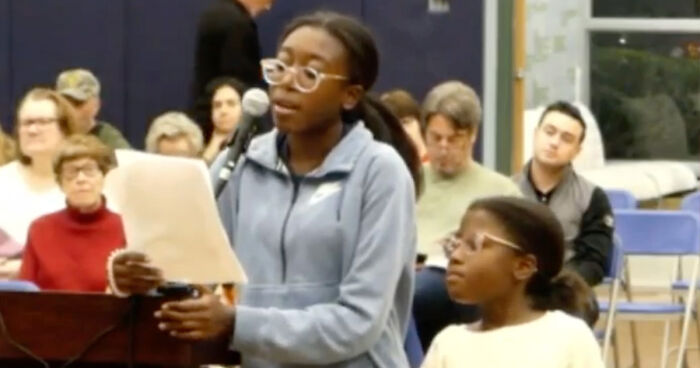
(57, 327)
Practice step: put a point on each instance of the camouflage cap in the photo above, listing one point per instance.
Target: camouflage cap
(79, 84)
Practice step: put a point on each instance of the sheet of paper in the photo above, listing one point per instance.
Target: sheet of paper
(169, 213)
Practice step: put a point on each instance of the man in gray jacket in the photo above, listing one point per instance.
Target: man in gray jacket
(582, 208)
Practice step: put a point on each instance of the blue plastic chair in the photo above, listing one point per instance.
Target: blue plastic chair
(621, 199)
(690, 203)
(615, 275)
(16, 285)
(412, 345)
(660, 233)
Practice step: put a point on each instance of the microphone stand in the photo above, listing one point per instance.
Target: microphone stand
(237, 147)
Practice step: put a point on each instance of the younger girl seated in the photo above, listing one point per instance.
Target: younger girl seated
(507, 257)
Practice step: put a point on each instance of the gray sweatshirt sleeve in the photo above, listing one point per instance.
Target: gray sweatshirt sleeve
(329, 333)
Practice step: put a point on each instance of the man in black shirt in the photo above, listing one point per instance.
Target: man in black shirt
(227, 45)
(582, 208)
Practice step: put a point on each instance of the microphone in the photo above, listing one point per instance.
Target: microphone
(254, 105)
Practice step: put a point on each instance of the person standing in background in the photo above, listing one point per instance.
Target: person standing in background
(227, 45)
(82, 89)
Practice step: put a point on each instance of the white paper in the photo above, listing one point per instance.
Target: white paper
(169, 213)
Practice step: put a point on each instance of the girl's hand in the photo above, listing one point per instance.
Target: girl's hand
(202, 318)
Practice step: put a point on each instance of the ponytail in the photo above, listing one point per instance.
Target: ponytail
(387, 128)
(567, 292)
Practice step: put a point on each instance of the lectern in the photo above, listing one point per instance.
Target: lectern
(96, 330)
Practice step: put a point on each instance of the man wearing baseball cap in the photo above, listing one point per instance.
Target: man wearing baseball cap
(82, 89)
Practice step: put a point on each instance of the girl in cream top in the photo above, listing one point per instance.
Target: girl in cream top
(507, 258)
(554, 340)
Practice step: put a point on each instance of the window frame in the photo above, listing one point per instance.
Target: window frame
(627, 25)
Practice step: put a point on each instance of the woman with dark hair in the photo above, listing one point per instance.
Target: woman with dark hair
(321, 213)
(406, 108)
(225, 95)
(507, 257)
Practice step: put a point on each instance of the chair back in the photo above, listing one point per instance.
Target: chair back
(17, 285)
(621, 199)
(617, 258)
(691, 203)
(412, 346)
(658, 232)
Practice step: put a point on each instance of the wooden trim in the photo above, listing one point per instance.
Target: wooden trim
(518, 102)
(504, 87)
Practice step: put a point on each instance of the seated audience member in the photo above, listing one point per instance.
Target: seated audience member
(28, 187)
(226, 94)
(174, 134)
(7, 148)
(67, 250)
(507, 258)
(405, 107)
(582, 208)
(452, 113)
(82, 89)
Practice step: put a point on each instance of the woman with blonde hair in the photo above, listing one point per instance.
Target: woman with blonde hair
(28, 186)
(174, 134)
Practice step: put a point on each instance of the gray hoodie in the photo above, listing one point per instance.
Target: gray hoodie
(330, 260)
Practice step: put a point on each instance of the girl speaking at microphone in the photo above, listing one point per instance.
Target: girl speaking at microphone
(321, 214)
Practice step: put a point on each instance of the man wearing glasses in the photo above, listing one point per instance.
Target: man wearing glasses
(453, 179)
(582, 208)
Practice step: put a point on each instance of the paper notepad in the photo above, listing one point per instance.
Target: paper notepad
(169, 213)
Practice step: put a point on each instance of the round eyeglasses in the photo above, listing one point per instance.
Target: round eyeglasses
(306, 79)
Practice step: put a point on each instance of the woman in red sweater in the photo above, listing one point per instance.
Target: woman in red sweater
(67, 250)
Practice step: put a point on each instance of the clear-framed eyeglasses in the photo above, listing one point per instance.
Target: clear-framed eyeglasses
(475, 244)
(72, 172)
(306, 79)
